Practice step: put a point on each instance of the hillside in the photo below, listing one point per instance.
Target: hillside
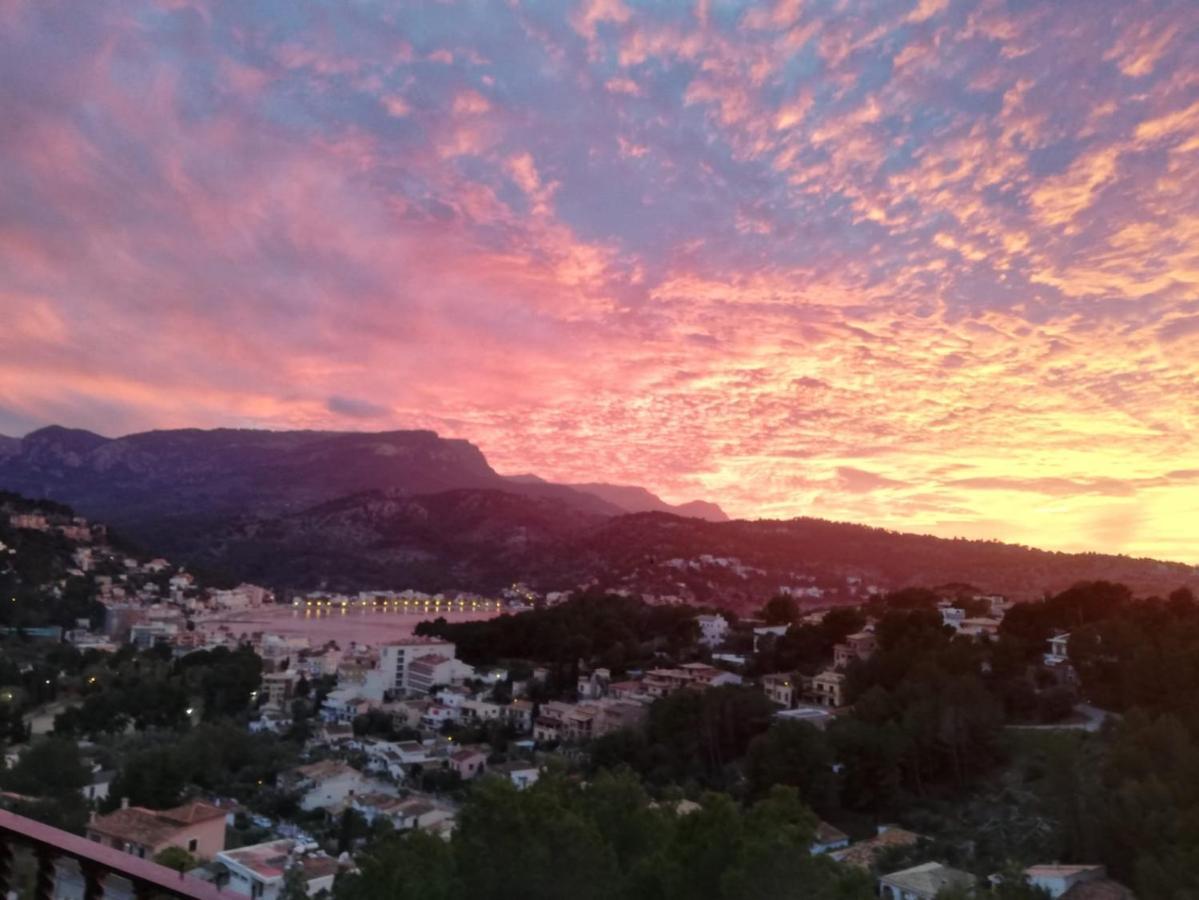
(487, 540)
(351, 511)
(173, 489)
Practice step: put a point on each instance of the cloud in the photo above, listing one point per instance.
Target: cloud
(926, 265)
(356, 409)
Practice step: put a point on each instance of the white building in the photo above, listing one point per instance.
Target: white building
(1056, 880)
(431, 669)
(258, 871)
(328, 784)
(396, 658)
(713, 629)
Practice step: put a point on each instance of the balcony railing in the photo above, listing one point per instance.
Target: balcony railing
(101, 871)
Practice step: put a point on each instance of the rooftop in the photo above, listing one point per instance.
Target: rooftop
(929, 879)
(149, 827)
(271, 860)
(326, 768)
(863, 853)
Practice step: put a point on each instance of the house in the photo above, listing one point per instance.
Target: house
(197, 827)
(856, 647)
(826, 689)
(97, 789)
(258, 870)
(712, 629)
(1057, 880)
(327, 783)
(519, 714)
(923, 882)
(520, 773)
(864, 853)
(780, 688)
(828, 838)
(1059, 650)
(979, 627)
(468, 762)
(595, 685)
(416, 811)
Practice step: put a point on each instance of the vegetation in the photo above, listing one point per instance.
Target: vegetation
(605, 840)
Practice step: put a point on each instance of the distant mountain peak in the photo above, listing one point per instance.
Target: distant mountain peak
(632, 498)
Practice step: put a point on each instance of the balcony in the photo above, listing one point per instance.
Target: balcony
(68, 867)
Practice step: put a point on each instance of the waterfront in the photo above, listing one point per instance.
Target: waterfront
(344, 624)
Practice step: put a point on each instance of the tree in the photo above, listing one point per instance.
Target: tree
(176, 858)
(796, 754)
(295, 884)
(414, 865)
(780, 610)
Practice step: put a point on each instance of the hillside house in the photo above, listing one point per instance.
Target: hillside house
(469, 762)
(327, 784)
(780, 687)
(856, 647)
(197, 827)
(520, 773)
(826, 689)
(1058, 880)
(923, 882)
(827, 839)
(713, 629)
(258, 871)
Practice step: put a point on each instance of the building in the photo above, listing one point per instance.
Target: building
(856, 647)
(328, 783)
(923, 882)
(827, 839)
(278, 687)
(468, 762)
(780, 688)
(97, 789)
(1056, 880)
(197, 827)
(520, 773)
(713, 630)
(863, 854)
(826, 689)
(594, 685)
(979, 627)
(396, 657)
(1059, 650)
(258, 871)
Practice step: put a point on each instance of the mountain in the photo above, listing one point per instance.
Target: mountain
(355, 511)
(486, 540)
(632, 499)
(638, 499)
(172, 489)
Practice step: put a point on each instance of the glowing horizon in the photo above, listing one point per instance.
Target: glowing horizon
(929, 265)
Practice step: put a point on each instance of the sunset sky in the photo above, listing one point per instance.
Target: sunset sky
(928, 265)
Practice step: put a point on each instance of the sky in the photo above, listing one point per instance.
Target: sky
(931, 265)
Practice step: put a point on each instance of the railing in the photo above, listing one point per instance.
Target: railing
(96, 863)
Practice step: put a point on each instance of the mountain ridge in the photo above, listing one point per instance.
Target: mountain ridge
(388, 510)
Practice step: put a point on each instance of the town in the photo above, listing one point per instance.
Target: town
(294, 757)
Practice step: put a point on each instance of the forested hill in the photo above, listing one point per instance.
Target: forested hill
(487, 540)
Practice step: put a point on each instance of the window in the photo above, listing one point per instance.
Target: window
(191, 846)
